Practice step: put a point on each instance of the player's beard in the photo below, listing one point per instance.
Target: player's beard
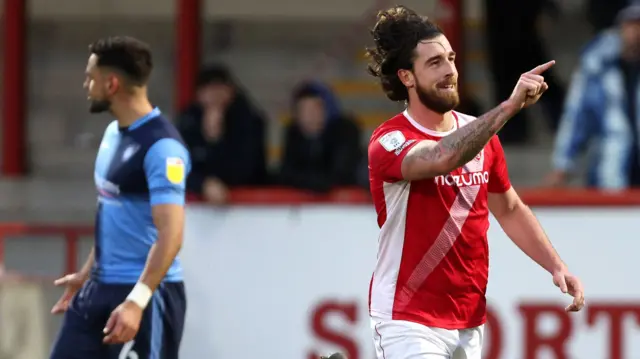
(438, 100)
(99, 106)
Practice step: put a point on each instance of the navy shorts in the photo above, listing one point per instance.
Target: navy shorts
(160, 330)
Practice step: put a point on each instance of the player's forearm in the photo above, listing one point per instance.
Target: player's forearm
(523, 228)
(463, 145)
(161, 256)
(88, 264)
(169, 221)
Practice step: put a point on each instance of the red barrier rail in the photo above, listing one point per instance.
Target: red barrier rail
(71, 235)
(533, 197)
(345, 196)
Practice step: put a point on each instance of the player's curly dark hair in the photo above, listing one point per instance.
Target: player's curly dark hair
(125, 54)
(397, 32)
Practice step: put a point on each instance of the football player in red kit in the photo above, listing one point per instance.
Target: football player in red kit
(435, 174)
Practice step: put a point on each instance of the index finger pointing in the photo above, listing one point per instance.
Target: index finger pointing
(542, 68)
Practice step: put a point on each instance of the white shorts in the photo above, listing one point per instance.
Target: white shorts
(399, 339)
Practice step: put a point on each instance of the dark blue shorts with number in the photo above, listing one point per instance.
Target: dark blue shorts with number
(160, 330)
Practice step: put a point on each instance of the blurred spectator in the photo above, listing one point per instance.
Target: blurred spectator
(322, 145)
(601, 13)
(603, 107)
(226, 136)
(516, 46)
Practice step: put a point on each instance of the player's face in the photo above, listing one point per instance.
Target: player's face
(310, 113)
(435, 77)
(99, 87)
(215, 95)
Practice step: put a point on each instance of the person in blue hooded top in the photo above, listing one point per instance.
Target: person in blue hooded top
(322, 144)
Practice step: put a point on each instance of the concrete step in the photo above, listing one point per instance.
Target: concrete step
(63, 162)
(47, 195)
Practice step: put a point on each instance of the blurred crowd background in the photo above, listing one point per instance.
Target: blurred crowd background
(273, 94)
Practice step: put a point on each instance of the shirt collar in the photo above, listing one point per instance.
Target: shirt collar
(144, 119)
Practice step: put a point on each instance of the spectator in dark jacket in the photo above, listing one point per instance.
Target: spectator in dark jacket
(225, 134)
(602, 13)
(322, 145)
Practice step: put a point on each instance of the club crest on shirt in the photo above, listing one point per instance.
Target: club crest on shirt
(129, 152)
(479, 156)
(392, 141)
(175, 170)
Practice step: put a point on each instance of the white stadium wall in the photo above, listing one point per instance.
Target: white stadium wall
(292, 282)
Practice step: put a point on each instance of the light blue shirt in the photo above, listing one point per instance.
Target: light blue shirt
(137, 168)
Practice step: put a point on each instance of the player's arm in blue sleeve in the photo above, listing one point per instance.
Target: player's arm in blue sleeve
(166, 166)
(577, 124)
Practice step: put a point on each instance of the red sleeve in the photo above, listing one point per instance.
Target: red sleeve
(499, 176)
(386, 152)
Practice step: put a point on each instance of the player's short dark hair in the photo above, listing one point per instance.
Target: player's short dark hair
(396, 34)
(125, 54)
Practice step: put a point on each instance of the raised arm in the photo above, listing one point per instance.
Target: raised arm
(428, 159)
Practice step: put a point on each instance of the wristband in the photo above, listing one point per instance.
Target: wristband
(141, 295)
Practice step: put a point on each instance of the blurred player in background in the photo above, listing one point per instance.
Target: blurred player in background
(128, 301)
(435, 174)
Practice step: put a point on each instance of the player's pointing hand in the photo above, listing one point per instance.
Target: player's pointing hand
(530, 87)
(72, 283)
(540, 69)
(568, 283)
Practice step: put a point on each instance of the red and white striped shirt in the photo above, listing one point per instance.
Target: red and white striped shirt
(433, 259)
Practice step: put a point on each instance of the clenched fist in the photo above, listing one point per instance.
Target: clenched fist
(530, 87)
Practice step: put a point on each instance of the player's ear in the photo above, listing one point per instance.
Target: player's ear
(113, 84)
(407, 77)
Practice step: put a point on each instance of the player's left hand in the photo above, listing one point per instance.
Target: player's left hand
(568, 283)
(123, 324)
